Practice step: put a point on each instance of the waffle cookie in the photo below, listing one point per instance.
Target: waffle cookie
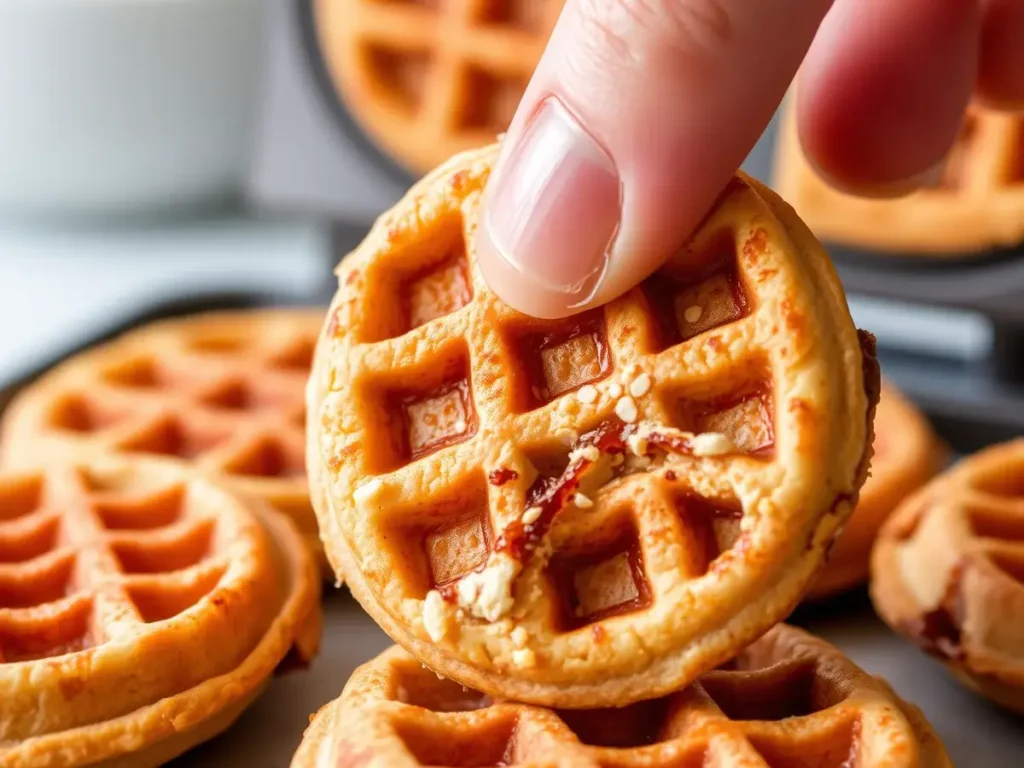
(426, 79)
(223, 391)
(948, 572)
(977, 205)
(789, 699)
(906, 455)
(593, 511)
(142, 607)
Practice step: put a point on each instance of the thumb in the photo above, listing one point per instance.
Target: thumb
(638, 114)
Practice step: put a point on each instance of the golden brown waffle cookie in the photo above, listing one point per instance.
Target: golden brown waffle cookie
(593, 511)
(948, 567)
(429, 78)
(142, 607)
(978, 204)
(789, 699)
(223, 391)
(906, 454)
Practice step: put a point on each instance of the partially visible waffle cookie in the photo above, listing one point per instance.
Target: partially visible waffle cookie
(948, 571)
(142, 607)
(224, 391)
(592, 511)
(789, 699)
(978, 204)
(906, 454)
(429, 78)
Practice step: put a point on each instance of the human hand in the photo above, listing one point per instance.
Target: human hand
(641, 110)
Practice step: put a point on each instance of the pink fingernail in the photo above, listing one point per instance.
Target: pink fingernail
(553, 208)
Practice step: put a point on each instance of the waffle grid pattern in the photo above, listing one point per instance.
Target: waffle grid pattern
(430, 79)
(83, 566)
(790, 700)
(443, 395)
(223, 392)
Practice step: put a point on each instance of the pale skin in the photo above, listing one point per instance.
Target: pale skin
(641, 110)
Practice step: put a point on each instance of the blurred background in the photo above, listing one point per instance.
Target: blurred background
(231, 151)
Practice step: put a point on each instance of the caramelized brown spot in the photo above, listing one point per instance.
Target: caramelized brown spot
(501, 475)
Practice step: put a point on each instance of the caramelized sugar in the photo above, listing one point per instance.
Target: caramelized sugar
(440, 290)
(402, 74)
(701, 293)
(605, 583)
(455, 549)
(489, 101)
(435, 419)
(747, 422)
(563, 357)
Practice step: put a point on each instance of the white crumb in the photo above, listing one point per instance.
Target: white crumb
(626, 410)
(487, 594)
(524, 658)
(587, 393)
(582, 501)
(367, 491)
(692, 314)
(641, 385)
(435, 616)
(637, 444)
(531, 515)
(711, 444)
(519, 637)
(460, 426)
(567, 436)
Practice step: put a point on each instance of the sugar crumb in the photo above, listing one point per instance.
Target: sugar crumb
(711, 444)
(641, 385)
(524, 658)
(692, 314)
(587, 394)
(626, 410)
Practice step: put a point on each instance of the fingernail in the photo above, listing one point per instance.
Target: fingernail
(553, 208)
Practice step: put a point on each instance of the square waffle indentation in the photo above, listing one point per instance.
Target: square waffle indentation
(44, 580)
(174, 436)
(427, 410)
(163, 550)
(20, 496)
(702, 292)
(637, 725)
(268, 456)
(747, 422)
(605, 582)
(58, 632)
(489, 744)
(134, 373)
(401, 76)
(159, 599)
(490, 101)
(561, 357)
(442, 539)
(525, 15)
(772, 693)
(420, 687)
(713, 529)
(84, 415)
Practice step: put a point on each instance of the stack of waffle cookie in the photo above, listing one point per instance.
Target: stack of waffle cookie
(584, 534)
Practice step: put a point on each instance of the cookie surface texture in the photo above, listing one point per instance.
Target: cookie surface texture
(592, 511)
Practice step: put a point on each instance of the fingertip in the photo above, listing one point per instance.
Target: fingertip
(884, 88)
